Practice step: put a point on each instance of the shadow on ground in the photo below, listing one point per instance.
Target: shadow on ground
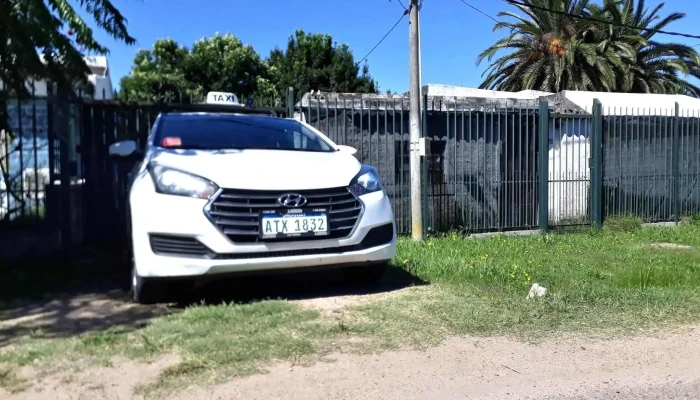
(63, 298)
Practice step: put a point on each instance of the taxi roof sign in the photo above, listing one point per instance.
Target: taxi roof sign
(222, 98)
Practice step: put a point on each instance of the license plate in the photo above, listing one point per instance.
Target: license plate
(297, 223)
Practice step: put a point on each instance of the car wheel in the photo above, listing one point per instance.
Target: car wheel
(365, 274)
(145, 290)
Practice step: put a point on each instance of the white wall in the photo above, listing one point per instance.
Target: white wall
(569, 179)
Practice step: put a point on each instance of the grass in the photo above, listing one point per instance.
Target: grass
(610, 281)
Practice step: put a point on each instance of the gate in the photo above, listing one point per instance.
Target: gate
(481, 173)
(569, 168)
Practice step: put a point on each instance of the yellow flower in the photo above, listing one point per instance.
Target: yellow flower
(405, 261)
(528, 278)
(430, 243)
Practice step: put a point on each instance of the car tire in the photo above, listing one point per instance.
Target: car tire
(145, 290)
(365, 274)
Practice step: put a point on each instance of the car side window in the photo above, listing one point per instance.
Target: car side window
(300, 141)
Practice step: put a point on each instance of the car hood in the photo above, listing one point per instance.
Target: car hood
(264, 169)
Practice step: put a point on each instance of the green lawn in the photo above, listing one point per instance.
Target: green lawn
(599, 283)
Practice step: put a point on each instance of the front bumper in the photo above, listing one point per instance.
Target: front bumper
(172, 216)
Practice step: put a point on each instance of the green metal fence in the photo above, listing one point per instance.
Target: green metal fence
(494, 164)
(651, 163)
(504, 164)
(481, 174)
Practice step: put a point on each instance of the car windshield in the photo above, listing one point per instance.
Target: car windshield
(231, 131)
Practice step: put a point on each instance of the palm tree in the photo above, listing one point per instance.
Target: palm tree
(547, 51)
(553, 52)
(656, 67)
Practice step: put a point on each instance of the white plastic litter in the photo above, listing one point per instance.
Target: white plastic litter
(536, 291)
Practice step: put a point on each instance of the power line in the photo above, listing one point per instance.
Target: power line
(479, 11)
(583, 17)
(382, 39)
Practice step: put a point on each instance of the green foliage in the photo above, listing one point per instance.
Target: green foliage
(47, 39)
(157, 73)
(223, 63)
(315, 62)
(172, 72)
(555, 52)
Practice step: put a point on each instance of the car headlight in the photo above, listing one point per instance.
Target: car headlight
(366, 181)
(178, 183)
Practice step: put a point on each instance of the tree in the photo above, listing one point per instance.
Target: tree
(552, 52)
(158, 74)
(315, 62)
(223, 63)
(655, 67)
(47, 39)
(219, 63)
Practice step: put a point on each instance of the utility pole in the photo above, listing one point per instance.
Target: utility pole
(415, 120)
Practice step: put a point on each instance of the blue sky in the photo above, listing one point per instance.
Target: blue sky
(452, 33)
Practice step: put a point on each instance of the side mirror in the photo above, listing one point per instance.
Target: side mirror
(347, 149)
(126, 148)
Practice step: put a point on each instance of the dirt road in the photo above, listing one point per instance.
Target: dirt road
(663, 367)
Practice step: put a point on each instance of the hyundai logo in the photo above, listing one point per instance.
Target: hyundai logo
(292, 200)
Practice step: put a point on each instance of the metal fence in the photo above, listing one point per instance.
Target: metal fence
(651, 163)
(493, 164)
(502, 164)
(29, 156)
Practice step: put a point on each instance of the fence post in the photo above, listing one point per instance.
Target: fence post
(290, 102)
(596, 166)
(675, 165)
(543, 166)
(58, 112)
(424, 170)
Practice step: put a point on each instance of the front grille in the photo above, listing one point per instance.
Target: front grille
(375, 237)
(181, 246)
(237, 212)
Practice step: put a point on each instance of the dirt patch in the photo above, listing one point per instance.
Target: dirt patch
(475, 368)
(334, 304)
(493, 368)
(117, 381)
(671, 246)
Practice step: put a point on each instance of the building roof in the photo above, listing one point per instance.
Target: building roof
(461, 91)
(447, 97)
(633, 103)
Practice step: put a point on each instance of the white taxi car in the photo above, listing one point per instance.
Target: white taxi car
(220, 193)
